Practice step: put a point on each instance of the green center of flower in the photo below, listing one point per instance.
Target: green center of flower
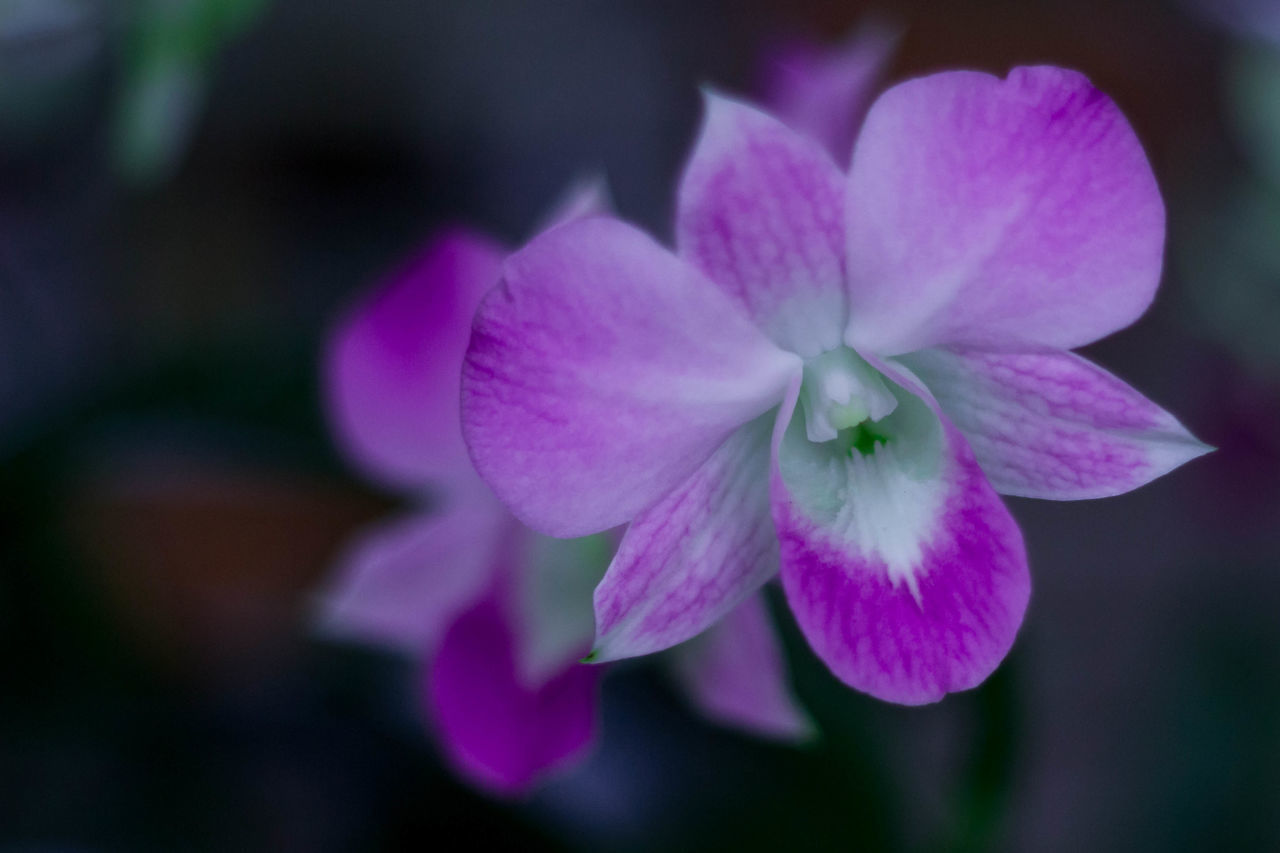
(843, 397)
(863, 438)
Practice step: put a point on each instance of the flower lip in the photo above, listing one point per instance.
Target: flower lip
(840, 391)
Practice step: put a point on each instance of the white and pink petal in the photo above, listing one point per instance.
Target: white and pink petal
(602, 372)
(760, 210)
(904, 571)
(694, 555)
(1053, 425)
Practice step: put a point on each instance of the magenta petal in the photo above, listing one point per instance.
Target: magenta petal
(735, 674)
(824, 93)
(904, 571)
(602, 372)
(694, 555)
(761, 212)
(1052, 425)
(393, 363)
(1002, 214)
(401, 584)
(496, 731)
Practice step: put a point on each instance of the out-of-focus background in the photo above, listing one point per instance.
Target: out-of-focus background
(189, 191)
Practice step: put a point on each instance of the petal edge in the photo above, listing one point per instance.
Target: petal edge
(1053, 425)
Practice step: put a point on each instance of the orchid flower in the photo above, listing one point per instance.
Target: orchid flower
(498, 615)
(837, 373)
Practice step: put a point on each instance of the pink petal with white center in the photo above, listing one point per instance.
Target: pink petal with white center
(694, 555)
(495, 729)
(402, 583)
(824, 93)
(761, 212)
(903, 569)
(602, 372)
(736, 675)
(1052, 425)
(1001, 214)
(391, 373)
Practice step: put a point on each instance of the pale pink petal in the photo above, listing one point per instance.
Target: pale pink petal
(824, 92)
(402, 583)
(736, 675)
(904, 571)
(602, 372)
(694, 555)
(1052, 425)
(1004, 214)
(495, 729)
(761, 212)
(393, 364)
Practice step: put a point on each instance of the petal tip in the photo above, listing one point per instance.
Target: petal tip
(720, 108)
(609, 647)
(586, 195)
(712, 94)
(801, 732)
(1188, 448)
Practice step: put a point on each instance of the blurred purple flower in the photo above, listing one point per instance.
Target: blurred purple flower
(825, 93)
(918, 309)
(499, 616)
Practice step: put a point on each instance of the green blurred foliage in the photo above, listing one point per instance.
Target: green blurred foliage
(1253, 103)
(1230, 252)
(170, 49)
(1229, 245)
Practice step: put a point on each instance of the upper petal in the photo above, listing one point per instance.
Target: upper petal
(904, 571)
(1016, 213)
(602, 372)
(393, 362)
(402, 583)
(760, 211)
(736, 674)
(694, 555)
(1052, 425)
(824, 92)
(494, 728)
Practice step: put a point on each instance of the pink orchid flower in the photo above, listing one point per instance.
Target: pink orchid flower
(837, 373)
(498, 615)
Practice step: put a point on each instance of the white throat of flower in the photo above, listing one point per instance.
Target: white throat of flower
(866, 464)
(840, 390)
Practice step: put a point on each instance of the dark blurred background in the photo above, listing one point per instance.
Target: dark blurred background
(190, 190)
